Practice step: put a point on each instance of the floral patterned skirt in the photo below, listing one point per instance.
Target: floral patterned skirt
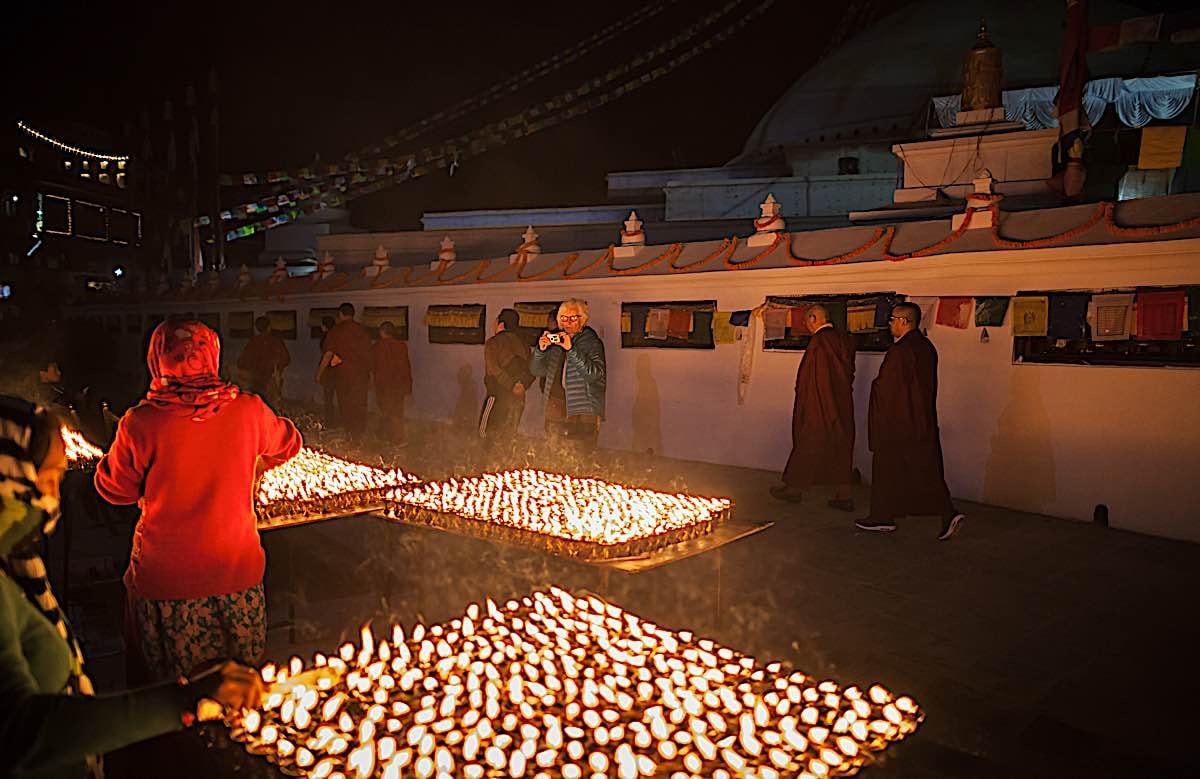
(166, 639)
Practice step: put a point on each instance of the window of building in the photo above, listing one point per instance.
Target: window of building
(121, 180)
(241, 324)
(864, 316)
(847, 166)
(1160, 329)
(283, 324)
(56, 215)
(456, 324)
(315, 315)
(105, 178)
(678, 324)
(90, 220)
(374, 317)
(66, 164)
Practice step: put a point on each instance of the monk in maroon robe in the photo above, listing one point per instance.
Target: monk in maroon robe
(348, 348)
(823, 415)
(907, 472)
(263, 361)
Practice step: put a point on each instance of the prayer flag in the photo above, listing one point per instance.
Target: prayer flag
(626, 322)
(723, 332)
(657, 322)
(1111, 317)
(1030, 315)
(1067, 316)
(860, 318)
(740, 318)
(679, 323)
(954, 312)
(1162, 147)
(928, 308)
(775, 322)
(990, 311)
(798, 320)
(1160, 315)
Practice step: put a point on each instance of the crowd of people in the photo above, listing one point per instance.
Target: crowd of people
(189, 454)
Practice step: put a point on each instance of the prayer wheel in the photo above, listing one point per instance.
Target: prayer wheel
(983, 74)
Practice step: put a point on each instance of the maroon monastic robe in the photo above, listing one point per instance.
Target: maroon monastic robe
(823, 416)
(351, 342)
(907, 472)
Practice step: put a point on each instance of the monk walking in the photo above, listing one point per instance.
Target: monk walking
(823, 416)
(393, 382)
(348, 348)
(907, 470)
(263, 361)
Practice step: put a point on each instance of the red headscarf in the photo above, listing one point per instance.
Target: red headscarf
(184, 358)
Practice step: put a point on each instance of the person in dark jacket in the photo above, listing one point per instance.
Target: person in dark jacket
(506, 377)
(580, 351)
(329, 379)
(393, 382)
(907, 473)
(51, 725)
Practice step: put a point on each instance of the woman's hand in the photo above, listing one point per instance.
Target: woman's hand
(240, 687)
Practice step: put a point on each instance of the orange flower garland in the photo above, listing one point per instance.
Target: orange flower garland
(606, 256)
(726, 247)
(673, 251)
(750, 262)
(845, 256)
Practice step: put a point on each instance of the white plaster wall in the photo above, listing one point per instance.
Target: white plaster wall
(1043, 438)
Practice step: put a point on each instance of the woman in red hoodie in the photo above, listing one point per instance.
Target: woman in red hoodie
(188, 455)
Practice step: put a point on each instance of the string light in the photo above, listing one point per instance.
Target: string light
(554, 684)
(69, 148)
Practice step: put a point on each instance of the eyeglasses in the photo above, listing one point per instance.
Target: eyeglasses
(897, 318)
(571, 318)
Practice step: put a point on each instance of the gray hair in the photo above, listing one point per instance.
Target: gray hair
(580, 305)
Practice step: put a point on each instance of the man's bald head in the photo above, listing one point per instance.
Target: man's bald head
(817, 315)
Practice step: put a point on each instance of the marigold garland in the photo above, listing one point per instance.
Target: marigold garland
(932, 248)
(673, 251)
(605, 256)
(477, 269)
(1110, 222)
(843, 257)
(1102, 211)
(744, 264)
(523, 260)
(727, 245)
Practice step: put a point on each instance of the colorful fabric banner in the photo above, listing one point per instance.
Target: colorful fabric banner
(679, 323)
(657, 322)
(990, 311)
(1111, 317)
(740, 318)
(1162, 147)
(453, 316)
(798, 320)
(1160, 315)
(1067, 316)
(860, 318)
(723, 331)
(626, 322)
(954, 312)
(535, 315)
(928, 308)
(1030, 315)
(775, 322)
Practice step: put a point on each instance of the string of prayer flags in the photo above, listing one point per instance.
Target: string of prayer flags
(658, 321)
(798, 320)
(1111, 317)
(740, 318)
(723, 332)
(775, 322)
(1067, 316)
(954, 312)
(679, 323)
(990, 311)
(1160, 315)
(1030, 315)
(626, 322)
(928, 306)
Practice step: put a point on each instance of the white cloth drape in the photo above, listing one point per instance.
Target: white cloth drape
(1137, 101)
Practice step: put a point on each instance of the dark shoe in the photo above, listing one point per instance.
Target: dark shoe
(875, 525)
(842, 504)
(950, 525)
(784, 492)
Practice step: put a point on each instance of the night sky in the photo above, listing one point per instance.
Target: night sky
(299, 80)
